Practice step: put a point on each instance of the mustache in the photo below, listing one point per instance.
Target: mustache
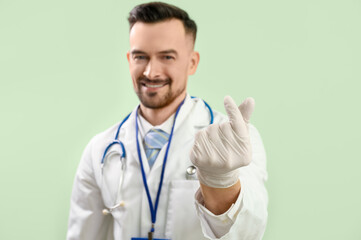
(146, 80)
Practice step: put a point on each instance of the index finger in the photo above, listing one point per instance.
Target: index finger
(234, 115)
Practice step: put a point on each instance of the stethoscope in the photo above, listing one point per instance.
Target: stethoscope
(190, 172)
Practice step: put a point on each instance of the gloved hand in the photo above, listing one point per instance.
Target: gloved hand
(221, 149)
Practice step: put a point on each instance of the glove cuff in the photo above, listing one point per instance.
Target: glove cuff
(218, 180)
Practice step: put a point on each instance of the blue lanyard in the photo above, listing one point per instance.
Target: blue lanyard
(154, 208)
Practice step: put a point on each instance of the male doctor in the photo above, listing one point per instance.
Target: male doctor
(174, 175)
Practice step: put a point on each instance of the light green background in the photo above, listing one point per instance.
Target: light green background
(64, 78)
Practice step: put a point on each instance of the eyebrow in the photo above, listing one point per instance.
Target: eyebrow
(168, 51)
(135, 51)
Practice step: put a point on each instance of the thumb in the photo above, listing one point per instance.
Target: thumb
(247, 108)
(234, 115)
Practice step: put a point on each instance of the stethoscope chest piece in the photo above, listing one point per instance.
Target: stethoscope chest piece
(191, 173)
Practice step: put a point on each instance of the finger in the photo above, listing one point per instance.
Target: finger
(217, 140)
(195, 152)
(247, 108)
(200, 149)
(234, 115)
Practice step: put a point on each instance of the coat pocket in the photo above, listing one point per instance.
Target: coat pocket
(182, 219)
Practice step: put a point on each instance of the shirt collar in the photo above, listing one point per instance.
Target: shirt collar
(145, 126)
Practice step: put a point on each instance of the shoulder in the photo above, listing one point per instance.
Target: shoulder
(99, 142)
(202, 113)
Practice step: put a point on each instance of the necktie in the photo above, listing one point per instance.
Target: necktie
(154, 140)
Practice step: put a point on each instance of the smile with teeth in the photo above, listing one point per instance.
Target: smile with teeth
(154, 85)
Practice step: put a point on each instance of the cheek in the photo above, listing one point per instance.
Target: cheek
(134, 74)
(178, 73)
(135, 71)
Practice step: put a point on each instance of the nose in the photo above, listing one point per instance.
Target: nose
(152, 70)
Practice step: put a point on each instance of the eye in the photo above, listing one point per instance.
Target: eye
(140, 57)
(168, 57)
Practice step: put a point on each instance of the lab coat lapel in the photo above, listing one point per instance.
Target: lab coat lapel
(127, 135)
(183, 112)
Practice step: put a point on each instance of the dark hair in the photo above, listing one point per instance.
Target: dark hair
(154, 12)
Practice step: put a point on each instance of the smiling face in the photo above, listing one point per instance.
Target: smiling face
(161, 58)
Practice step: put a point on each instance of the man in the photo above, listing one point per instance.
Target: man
(152, 191)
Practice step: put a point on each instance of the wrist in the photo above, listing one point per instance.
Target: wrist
(219, 200)
(218, 180)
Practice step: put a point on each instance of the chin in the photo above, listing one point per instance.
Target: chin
(155, 102)
(159, 103)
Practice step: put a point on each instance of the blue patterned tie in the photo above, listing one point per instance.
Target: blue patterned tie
(154, 140)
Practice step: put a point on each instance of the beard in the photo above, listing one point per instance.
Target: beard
(156, 100)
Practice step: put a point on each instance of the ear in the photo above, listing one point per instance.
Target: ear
(128, 56)
(194, 60)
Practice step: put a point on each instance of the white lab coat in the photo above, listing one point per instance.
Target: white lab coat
(177, 216)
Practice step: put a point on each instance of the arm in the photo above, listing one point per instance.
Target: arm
(219, 200)
(233, 194)
(86, 221)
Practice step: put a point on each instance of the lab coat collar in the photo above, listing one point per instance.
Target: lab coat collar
(128, 137)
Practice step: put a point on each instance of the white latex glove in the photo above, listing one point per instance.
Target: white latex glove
(221, 149)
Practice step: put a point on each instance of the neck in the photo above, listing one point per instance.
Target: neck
(160, 115)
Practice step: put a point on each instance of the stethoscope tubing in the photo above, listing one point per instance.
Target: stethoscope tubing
(210, 110)
(153, 208)
(116, 141)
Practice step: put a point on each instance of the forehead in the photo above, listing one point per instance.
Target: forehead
(169, 34)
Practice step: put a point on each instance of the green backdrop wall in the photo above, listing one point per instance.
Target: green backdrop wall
(64, 77)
